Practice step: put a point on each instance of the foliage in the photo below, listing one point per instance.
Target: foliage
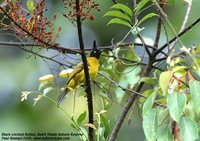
(168, 97)
(32, 26)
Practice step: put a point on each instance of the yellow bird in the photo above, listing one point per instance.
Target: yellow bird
(77, 76)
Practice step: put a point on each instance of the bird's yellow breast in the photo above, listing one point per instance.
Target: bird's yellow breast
(93, 66)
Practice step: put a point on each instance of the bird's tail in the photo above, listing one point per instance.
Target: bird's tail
(62, 96)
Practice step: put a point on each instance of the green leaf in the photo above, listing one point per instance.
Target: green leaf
(105, 123)
(148, 80)
(164, 80)
(146, 17)
(190, 110)
(178, 68)
(195, 92)
(124, 8)
(119, 21)
(140, 5)
(164, 133)
(148, 104)
(85, 136)
(189, 129)
(166, 76)
(81, 118)
(150, 125)
(146, 93)
(176, 103)
(163, 116)
(118, 14)
(161, 100)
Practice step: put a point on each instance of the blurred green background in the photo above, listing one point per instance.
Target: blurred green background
(19, 71)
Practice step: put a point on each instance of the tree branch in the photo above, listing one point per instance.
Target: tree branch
(55, 46)
(158, 32)
(75, 50)
(144, 44)
(86, 71)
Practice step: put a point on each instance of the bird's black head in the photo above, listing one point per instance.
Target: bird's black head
(96, 53)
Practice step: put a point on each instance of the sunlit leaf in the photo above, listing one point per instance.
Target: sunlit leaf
(178, 68)
(164, 80)
(176, 103)
(124, 8)
(81, 118)
(150, 15)
(150, 125)
(118, 14)
(119, 21)
(189, 129)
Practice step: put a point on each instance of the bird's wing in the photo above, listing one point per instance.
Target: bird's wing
(76, 70)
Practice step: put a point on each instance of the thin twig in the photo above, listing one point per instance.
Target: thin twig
(45, 57)
(144, 44)
(164, 16)
(132, 92)
(179, 35)
(184, 22)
